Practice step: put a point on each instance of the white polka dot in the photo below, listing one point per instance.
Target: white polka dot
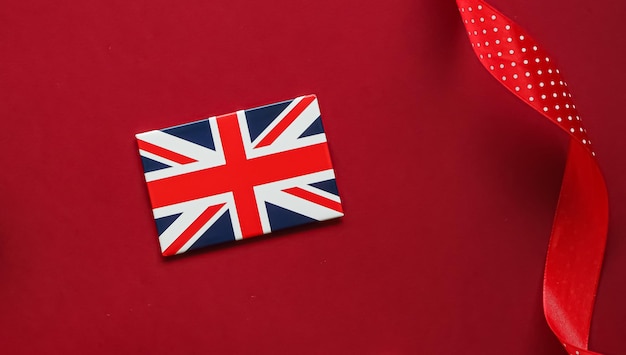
(543, 97)
(537, 60)
(572, 130)
(566, 105)
(557, 107)
(509, 39)
(523, 50)
(530, 86)
(482, 19)
(504, 78)
(552, 83)
(527, 74)
(511, 51)
(545, 109)
(555, 95)
(535, 48)
(499, 54)
(559, 119)
(507, 27)
(486, 44)
(480, 7)
(531, 99)
(493, 17)
(547, 59)
(472, 21)
(539, 72)
(495, 29)
(492, 67)
(469, 9)
(497, 41)
(517, 87)
(513, 64)
(525, 60)
(484, 32)
(541, 84)
(584, 141)
(515, 76)
(570, 118)
(501, 66)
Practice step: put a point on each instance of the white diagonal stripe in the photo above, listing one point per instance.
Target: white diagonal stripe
(274, 194)
(205, 157)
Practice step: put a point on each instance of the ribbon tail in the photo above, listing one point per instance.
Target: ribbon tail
(576, 250)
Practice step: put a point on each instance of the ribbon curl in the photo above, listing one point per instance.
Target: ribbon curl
(578, 237)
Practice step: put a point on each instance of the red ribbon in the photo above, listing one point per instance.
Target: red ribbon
(578, 238)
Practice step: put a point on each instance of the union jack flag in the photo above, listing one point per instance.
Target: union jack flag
(239, 175)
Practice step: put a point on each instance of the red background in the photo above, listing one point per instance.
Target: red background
(449, 183)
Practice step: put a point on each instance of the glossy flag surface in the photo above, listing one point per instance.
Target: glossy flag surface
(239, 175)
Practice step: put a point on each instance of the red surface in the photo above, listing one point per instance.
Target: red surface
(448, 182)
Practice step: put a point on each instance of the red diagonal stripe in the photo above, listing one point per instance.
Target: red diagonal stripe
(320, 200)
(165, 153)
(193, 228)
(286, 121)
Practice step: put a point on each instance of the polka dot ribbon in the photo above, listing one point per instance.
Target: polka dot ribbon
(578, 237)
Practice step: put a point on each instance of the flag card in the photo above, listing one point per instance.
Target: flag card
(239, 175)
